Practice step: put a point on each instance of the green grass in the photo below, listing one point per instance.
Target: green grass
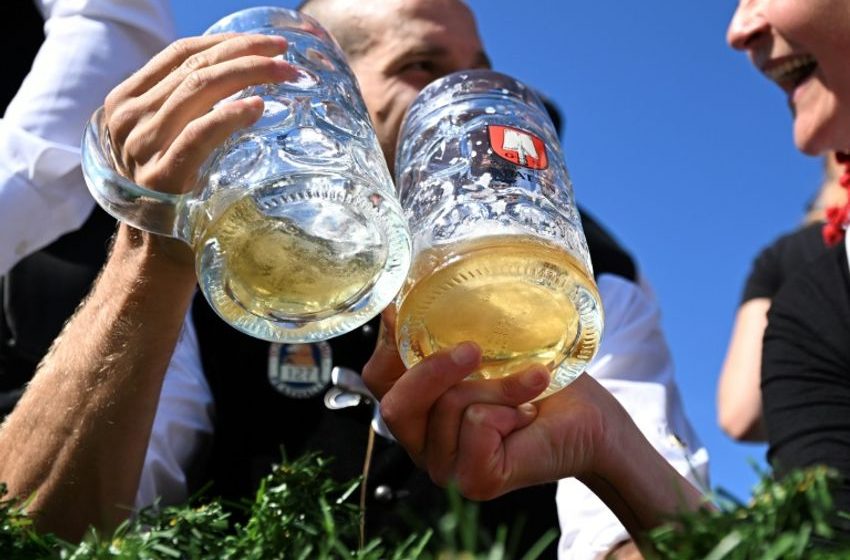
(300, 513)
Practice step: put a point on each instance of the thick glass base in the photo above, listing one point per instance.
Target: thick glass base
(522, 300)
(302, 259)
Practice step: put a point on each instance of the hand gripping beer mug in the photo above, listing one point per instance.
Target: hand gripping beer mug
(297, 232)
(500, 257)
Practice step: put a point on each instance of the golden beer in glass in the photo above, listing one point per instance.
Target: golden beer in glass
(499, 254)
(297, 232)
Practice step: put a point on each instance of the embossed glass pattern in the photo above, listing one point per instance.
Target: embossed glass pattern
(500, 257)
(296, 227)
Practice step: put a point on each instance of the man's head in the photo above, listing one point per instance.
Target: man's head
(397, 47)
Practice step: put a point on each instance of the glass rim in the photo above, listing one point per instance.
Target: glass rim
(268, 17)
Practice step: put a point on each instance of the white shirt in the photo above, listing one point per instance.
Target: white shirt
(90, 46)
(633, 363)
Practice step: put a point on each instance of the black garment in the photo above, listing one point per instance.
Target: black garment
(253, 421)
(21, 35)
(40, 293)
(782, 259)
(255, 424)
(806, 371)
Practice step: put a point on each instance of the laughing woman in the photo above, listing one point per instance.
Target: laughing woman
(804, 47)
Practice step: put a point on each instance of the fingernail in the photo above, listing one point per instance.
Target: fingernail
(280, 41)
(527, 409)
(537, 377)
(475, 414)
(465, 354)
(254, 103)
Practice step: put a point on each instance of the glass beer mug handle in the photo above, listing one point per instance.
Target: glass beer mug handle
(146, 209)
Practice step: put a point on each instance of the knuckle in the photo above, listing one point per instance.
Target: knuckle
(150, 176)
(194, 135)
(121, 122)
(180, 178)
(120, 115)
(131, 157)
(510, 387)
(196, 62)
(196, 81)
(389, 410)
(147, 178)
(181, 48)
(138, 145)
(112, 102)
(195, 129)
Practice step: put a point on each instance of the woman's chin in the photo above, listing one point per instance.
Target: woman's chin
(814, 140)
(825, 130)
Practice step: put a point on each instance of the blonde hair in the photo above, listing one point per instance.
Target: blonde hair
(829, 194)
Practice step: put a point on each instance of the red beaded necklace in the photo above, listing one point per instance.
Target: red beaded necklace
(837, 217)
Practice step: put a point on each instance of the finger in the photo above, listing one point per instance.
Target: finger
(235, 47)
(162, 64)
(141, 96)
(563, 441)
(446, 417)
(483, 470)
(193, 146)
(384, 366)
(406, 406)
(197, 94)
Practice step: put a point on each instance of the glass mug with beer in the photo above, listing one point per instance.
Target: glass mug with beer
(500, 257)
(296, 228)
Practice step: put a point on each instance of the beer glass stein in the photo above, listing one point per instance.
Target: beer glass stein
(500, 257)
(296, 228)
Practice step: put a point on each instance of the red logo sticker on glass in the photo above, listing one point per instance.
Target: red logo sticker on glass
(518, 146)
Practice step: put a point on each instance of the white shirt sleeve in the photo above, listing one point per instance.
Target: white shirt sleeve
(90, 46)
(635, 365)
(182, 427)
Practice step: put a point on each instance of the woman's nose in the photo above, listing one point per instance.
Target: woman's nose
(748, 23)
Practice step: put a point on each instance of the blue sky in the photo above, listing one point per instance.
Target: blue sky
(674, 142)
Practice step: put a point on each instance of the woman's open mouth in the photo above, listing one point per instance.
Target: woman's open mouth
(790, 72)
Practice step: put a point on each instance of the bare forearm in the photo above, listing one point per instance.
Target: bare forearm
(639, 485)
(78, 437)
(738, 391)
